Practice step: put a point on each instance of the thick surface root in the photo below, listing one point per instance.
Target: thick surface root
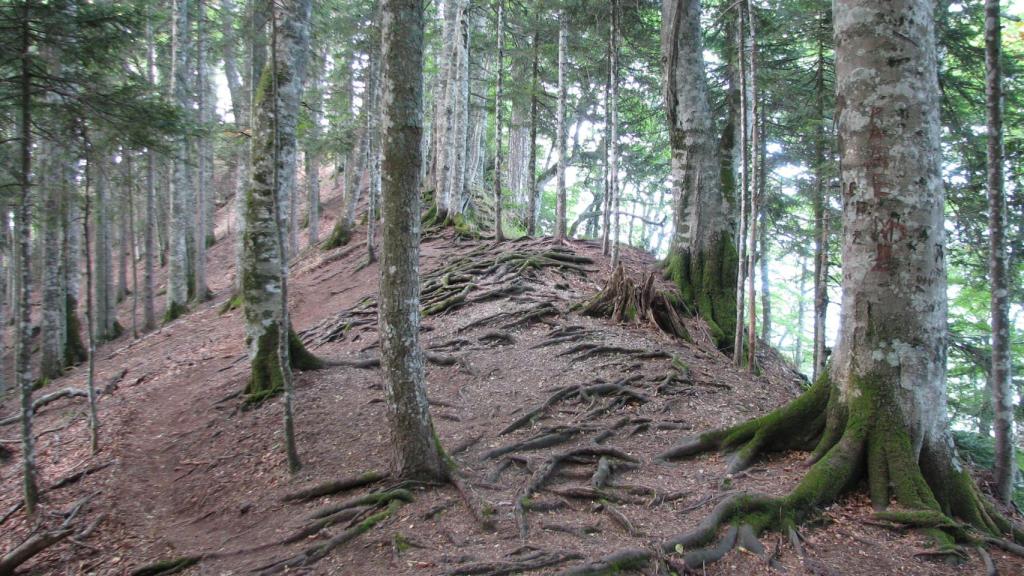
(863, 441)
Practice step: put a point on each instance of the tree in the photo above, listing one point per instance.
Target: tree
(499, 108)
(560, 136)
(181, 172)
(702, 258)
(264, 268)
(417, 452)
(1002, 395)
(879, 414)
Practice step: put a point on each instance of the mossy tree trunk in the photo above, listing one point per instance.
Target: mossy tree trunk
(702, 258)
(879, 415)
(264, 267)
(417, 453)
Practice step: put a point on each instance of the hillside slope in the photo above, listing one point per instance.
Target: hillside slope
(192, 472)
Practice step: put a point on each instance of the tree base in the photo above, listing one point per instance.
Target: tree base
(174, 311)
(74, 350)
(622, 300)
(707, 283)
(341, 235)
(866, 440)
(265, 379)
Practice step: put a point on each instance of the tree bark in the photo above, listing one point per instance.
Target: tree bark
(702, 258)
(821, 218)
(417, 452)
(534, 206)
(204, 149)
(499, 109)
(560, 136)
(613, 147)
(264, 268)
(181, 173)
(314, 97)
(1002, 394)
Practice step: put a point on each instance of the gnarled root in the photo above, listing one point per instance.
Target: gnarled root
(866, 439)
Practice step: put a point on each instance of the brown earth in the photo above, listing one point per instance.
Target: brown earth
(194, 473)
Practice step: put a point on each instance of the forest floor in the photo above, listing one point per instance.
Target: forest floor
(193, 473)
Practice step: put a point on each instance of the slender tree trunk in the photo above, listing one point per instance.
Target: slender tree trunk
(560, 198)
(204, 148)
(315, 98)
(766, 298)
(821, 219)
(1002, 394)
(702, 258)
(131, 249)
(74, 349)
(462, 95)
(373, 151)
(499, 109)
(755, 192)
(417, 452)
(181, 174)
(52, 326)
(23, 313)
(90, 315)
(798, 352)
(122, 229)
(613, 146)
(150, 224)
(531, 221)
(744, 191)
(103, 274)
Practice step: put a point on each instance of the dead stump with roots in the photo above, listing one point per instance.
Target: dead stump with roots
(623, 300)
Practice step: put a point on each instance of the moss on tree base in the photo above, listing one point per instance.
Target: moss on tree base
(707, 283)
(266, 379)
(174, 311)
(341, 235)
(865, 440)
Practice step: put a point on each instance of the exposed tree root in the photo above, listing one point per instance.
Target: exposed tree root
(482, 513)
(531, 561)
(549, 468)
(515, 318)
(622, 300)
(44, 400)
(372, 499)
(612, 564)
(317, 552)
(619, 391)
(864, 440)
(334, 486)
(41, 540)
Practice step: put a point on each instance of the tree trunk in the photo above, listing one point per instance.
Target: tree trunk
(499, 108)
(755, 193)
(123, 240)
(702, 258)
(264, 267)
(23, 312)
(1002, 394)
(181, 174)
(613, 147)
(821, 219)
(315, 97)
(417, 451)
(74, 349)
(52, 326)
(560, 136)
(461, 113)
(373, 150)
(103, 276)
(535, 201)
(204, 149)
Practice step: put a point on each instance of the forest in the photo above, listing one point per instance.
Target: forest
(501, 287)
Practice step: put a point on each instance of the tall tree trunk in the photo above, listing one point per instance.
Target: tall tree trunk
(613, 146)
(103, 267)
(123, 239)
(766, 297)
(535, 201)
(744, 190)
(755, 192)
(315, 97)
(821, 218)
(264, 268)
(52, 326)
(204, 149)
(373, 136)
(798, 351)
(23, 313)
(702, 258)
(499, 109)
(461, 113)
(1002, 394)
(181, 173)
(417, 452)
(74, 349)
(560, 136)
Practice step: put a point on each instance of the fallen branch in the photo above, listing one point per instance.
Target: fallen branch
(44, 400)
